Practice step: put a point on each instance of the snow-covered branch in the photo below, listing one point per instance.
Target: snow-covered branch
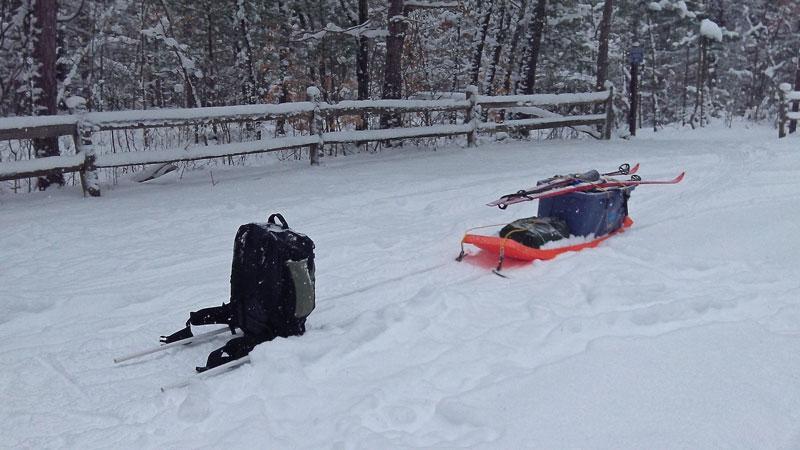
(363, 29)
(413, 4)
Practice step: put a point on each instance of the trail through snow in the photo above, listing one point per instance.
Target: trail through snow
(682, 332)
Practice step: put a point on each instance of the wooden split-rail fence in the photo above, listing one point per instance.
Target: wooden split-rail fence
(81, 124)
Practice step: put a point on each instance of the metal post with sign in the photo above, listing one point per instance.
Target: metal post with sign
(636, 57)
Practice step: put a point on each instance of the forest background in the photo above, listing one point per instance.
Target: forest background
(704, 59)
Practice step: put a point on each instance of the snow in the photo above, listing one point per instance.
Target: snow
(429, 4)
(41, 164)
(123, 119)
(397, 104)
(681, 332)
(710, 30)
(533, 99)
(312, 92)
(683, 10)
(546, 99)
(15, 123)
(569, 241)
(75, 101)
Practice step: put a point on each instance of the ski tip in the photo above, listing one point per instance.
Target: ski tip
(634, 169)
(680, 177)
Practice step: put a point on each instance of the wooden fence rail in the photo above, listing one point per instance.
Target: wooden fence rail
(788, 99)
(81, 124)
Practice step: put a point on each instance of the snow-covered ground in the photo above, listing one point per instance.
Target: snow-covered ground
(683, 332)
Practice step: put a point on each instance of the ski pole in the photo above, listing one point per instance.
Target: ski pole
(189, 340)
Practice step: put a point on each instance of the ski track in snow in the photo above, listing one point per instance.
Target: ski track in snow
(681, 332)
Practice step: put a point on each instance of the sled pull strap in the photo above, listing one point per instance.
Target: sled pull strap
(280, 218)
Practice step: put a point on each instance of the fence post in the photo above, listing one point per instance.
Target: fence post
(315, 124)
(609, 112)
(83, 144)
(795, 106)
(782, 90)
(473, 115)
(609, 125)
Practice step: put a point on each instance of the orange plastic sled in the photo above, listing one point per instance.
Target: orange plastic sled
(513, 249)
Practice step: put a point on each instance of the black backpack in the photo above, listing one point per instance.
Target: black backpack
(272, 279)
(535, 231)
(272, 290)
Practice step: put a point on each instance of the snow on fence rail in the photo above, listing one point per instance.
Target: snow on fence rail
(789, 98)
(81, 124)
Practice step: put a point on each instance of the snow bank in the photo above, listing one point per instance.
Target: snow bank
(681, 332)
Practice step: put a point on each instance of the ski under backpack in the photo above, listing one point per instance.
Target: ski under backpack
(272, 290)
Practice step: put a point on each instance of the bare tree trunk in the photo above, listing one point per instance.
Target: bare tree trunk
(602, 52)
(362, 60)
(454, 51)
(249, 86)
(283, 56)
(362, 73)
(654, 72)
(210, 77)
(502, 31)
(512, 54)
(795, 104)
(477, 56)
(534, 46)
(393, 70)
(143, 62)
(754, 98)
(685, 96)
(44, 81)
(698, 96)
